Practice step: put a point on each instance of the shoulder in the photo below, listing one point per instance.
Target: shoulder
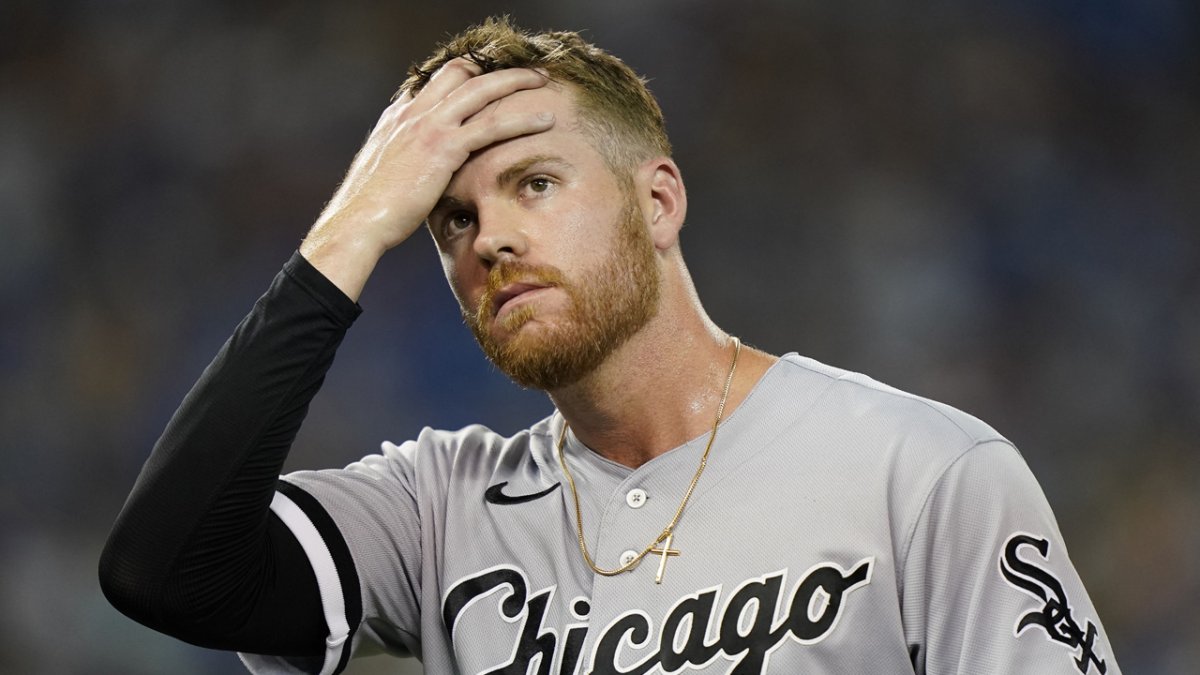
(412, 481)
(469, 449)
(870, 410)
(897, 445)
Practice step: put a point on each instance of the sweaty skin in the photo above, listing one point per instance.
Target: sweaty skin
(407, 161)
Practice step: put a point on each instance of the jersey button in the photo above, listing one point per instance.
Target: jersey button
(635, 498)
(627, 557)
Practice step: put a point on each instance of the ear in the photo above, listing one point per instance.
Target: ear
(663, 200)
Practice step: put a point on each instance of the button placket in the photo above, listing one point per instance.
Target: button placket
(631, 520)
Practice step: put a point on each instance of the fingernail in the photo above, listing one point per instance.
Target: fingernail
(546, 116)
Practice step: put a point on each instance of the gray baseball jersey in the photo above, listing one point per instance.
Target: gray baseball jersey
(841, 527)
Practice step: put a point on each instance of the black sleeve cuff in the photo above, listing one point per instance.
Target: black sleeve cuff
(339, 306)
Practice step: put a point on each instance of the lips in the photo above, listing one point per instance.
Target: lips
(509, 292)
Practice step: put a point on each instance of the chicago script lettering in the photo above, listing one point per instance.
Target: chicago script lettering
(758, 617)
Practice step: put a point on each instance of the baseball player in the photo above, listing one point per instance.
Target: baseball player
(693, 504)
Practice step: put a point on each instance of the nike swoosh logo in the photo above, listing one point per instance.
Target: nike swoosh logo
(495, 494)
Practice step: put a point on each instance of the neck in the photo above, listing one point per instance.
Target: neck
(659, 389)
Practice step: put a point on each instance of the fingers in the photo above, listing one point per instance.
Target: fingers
(456, 101)
(475, 94)
(448, 78)
(458, 109)
(496, 128)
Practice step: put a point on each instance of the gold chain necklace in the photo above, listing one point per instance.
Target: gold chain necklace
(668, 532)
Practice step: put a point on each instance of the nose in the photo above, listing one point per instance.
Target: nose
(500, 234)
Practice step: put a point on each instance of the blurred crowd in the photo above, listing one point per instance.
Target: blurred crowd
(993, 204)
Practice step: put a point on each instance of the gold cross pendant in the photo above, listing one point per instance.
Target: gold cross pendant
(663, 554)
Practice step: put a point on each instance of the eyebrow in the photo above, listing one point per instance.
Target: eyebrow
(446, 203)
(515, 170)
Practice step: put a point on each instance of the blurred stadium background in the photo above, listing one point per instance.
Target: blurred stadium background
(994, 204)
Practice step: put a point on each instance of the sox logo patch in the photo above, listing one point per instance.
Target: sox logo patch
(1054, 617)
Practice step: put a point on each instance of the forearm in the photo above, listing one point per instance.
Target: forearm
(195, 551)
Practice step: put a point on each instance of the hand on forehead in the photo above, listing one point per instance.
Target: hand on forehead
(419, 142)
(542, 99)
(457, 72)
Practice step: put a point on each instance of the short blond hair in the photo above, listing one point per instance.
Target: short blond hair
(615, 107)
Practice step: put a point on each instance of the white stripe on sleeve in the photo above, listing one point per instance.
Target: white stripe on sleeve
(328, 582)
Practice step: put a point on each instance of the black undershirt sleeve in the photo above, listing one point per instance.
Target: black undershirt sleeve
(196, 552)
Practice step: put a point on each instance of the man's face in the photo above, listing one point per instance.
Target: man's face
(548, 256)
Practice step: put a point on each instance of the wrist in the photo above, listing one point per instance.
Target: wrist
(346, 261)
